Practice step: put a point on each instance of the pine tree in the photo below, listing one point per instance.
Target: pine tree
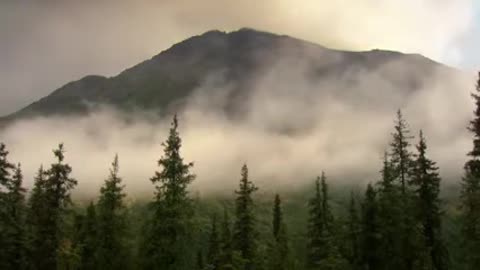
(213, 255)
(226, 250)
(15, 230)
(427, 187)
(37, 216)
(353, 236)
(279, 257)
(402, 165)
(244, 233)
(58, 187)
(89, 237)
(5, 181)
(401, 157)
(370, 232)
(316, 245)
(166, 245)
(470, 194)
(112, 252)
(200, 264)
(390, 219)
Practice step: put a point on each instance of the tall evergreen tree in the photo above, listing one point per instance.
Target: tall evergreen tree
(402, 165)
(244, 233)
(5, 181)
(112, 249)
(37, 216)
(401, 156)
(58, 186)
(316, 244)
(353, 235)
(88, 238)
(470, 194)
(370, 232)
(226, 261)
(15, 223)
(390, 218)
(279, 257)
(167, 244)
(213, 255)
(427, 187)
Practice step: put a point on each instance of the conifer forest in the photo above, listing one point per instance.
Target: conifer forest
(404, 220)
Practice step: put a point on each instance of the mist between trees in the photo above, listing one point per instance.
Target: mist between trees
(400, 222)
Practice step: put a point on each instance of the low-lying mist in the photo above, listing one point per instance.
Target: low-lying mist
(292, 127)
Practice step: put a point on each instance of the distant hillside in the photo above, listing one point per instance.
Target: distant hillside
(241, 57)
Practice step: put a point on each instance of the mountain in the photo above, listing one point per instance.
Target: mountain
(238, 59)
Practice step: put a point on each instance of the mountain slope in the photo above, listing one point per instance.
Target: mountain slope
(238, 59)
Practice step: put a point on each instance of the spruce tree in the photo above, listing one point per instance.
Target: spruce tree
(402, 165)
(401, 158)
(112, 251)
(279, 257)
(213, 255)
(316, 244)
(390, 219)
(89, 238)
(470, 193)
(166, 245)
(370, 232)
(244, 233)
(37, 216)
(226, 261)
(5, 181)
(58, 187)
(353, 235)
(427, 187)
(15, 224)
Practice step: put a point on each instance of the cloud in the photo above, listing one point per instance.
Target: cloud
(46, 44)
(293, 127)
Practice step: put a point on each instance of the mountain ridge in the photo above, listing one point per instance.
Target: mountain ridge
(170, 76)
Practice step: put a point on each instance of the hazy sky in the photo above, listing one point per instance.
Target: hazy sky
(45, 44)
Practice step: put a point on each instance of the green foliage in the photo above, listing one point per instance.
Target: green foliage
(470, 193)
(112, 250)
(166, 243)
(426, 182)
(244, 233)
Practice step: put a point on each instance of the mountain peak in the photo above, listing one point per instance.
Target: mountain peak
(242, 56)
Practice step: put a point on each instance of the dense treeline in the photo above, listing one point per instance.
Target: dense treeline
(397, 224)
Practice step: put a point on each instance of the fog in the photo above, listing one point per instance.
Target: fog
(293, 127)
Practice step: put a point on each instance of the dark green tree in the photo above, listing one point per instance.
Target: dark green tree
(213, 255)
(88, 239)
(426, 181)
(37, 216)
(244, 233)
(112, 249)
(390, 218)
(6, 169)
(353, 235)
(279, 254)
(401, 158)
(470, 193)
(200, 263)
(166, 245)
(226, 261)
(16, 244)
(370, 232)
(402, 166)
(316, 244)
(58, 187)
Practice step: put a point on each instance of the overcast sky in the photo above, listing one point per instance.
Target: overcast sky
(45, 44)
